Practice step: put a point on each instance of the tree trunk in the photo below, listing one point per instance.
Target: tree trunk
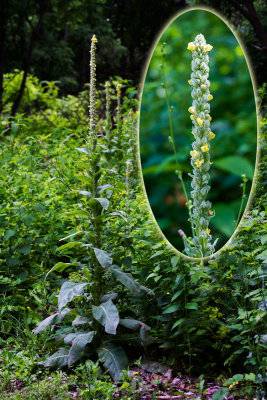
(251, 15)
(27, 63)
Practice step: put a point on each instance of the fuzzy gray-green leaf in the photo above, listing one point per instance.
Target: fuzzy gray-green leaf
(68, 291)
(114, 359)
(107, 315)
(58, 359)
(103, 258)
(128, 281)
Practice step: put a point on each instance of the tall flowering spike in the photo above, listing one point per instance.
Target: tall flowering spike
(92, 110)
(200, 155)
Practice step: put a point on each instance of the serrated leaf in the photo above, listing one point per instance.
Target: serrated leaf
(9, 234)
(107, 315)
(25, 249)
(114, 359)
(127, 280)
(58, 359)
(68, 291)
(235, 378)
(103, 258)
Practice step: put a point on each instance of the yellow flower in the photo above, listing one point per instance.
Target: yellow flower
(207, 231)
(209, 117)
(203, 86)
(192, 109)
(211, 136)
(198, 163)
(190, 82)
(200, 121)
(135, 373)
(209, 47)
(191, 46)
(205, 148)
(210, 97)
(192, 117)
(194, 153)
(94, 39)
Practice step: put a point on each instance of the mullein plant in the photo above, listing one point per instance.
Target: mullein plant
(92, 325)
(200, 212)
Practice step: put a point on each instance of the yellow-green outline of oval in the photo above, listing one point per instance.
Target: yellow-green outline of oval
(255, 176)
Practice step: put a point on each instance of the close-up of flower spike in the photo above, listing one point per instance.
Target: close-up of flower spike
(200, 245)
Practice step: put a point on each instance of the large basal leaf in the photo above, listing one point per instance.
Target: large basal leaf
(78, 340)
(52, 320)
(58, 359)
(114, 359)
(107, 315)
(103, 258)
(68, 291)
(127, 280)
(81, 339)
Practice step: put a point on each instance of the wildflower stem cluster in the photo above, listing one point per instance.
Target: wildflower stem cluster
(171, 138)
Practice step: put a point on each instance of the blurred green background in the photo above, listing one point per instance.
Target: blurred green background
(233, 111)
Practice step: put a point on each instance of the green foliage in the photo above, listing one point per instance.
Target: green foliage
(92, 297)
(205, 318)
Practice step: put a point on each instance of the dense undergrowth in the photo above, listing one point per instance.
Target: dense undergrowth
(205, 319)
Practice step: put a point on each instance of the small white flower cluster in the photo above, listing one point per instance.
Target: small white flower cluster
(200, 209)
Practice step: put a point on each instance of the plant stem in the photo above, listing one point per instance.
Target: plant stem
(178, 170)
(243, 184)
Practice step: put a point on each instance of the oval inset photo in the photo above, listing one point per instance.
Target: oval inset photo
(198, 133)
